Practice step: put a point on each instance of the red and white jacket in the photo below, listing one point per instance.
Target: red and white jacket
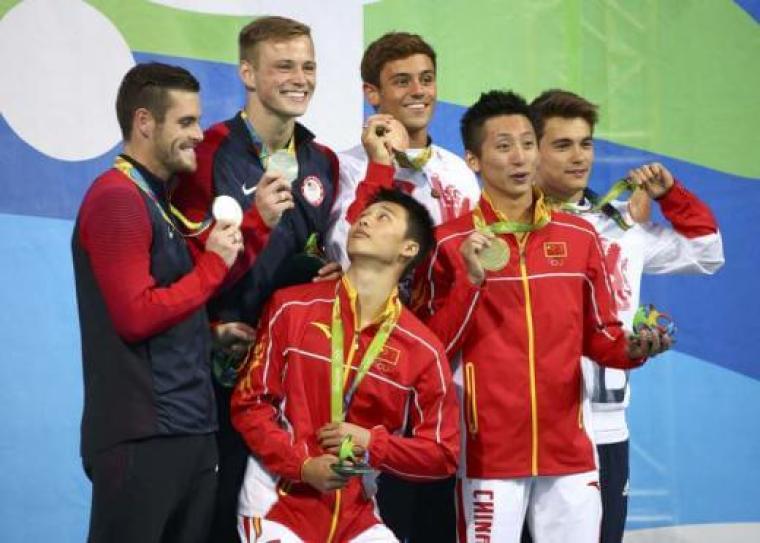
(691, 244)
(283, 399)
(519, 339)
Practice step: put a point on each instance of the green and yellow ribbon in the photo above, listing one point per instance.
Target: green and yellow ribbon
(339, 402)
(264, 152)
(601, 203)
(193, 228)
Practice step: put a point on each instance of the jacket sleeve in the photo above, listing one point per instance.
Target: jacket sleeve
(194, 195)
(443, 298)
(257, 400)
(693, 245)
(355, 190)
(432, 449)
(604, 340)
(116, 233)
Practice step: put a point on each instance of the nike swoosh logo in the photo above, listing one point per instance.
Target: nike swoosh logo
(248, 191)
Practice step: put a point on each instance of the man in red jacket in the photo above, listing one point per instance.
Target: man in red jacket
(338, 363)
(529, 298)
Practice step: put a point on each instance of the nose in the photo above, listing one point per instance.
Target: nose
(518, 155)
(299, 76)
(576, 154)
(417, 88)
(197, 133)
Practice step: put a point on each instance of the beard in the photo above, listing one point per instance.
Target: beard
(175, 159)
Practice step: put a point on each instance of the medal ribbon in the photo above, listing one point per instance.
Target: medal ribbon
(264, 152)
(194, 228)
(338, 402)
(416, 163)
(504, 227)
(602, 203)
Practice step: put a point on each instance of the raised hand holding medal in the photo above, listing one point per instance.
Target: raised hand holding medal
(382, 137)
(495, 256)
(226, 209)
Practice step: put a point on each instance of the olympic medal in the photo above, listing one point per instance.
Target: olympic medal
(283, 162)
(351, 470)
(495, 256)
(225, 209)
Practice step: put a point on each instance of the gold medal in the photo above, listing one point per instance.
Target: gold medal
(496, 256)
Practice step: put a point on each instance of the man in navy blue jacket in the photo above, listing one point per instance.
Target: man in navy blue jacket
(283, 218)
(149, 416)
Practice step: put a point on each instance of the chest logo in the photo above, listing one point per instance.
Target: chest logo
(388, 359)
(247, 191)
(313, 190)
(555, 252)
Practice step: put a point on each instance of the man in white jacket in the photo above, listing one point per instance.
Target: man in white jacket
(633, 245)
(399, 82)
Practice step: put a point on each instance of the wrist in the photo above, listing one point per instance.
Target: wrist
(302, 472)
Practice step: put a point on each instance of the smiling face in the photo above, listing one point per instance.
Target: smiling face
(407, 91)
(567, 153)
(508, 156)
(380, 234)
(173, 140)
(282, 76)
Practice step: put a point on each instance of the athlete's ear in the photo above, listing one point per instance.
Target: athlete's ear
(372, 94)
(410, 249)
(472, 161)
(143, 123)
(247, 75)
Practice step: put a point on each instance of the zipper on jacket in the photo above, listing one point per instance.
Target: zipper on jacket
(531, 355)
(336, 514)
(471, 400)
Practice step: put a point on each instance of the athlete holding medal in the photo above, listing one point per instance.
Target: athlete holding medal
(339, 369)
(530, 297)
(149, 419)
(633, 245)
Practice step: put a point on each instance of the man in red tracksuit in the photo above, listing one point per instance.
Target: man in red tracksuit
(518, 331)
(394, 373)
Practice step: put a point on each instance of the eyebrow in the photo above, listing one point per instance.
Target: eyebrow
(571, 140)
(387, 208)
(410, 74)
(505, 135)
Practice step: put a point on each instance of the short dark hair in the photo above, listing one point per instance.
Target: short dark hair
(565, 104)
(493, 103)
(268, 28)
(147, 86)
(419, 225)
(389, 47)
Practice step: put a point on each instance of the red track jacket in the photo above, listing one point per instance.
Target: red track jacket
(520, 337)
(283, 399)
